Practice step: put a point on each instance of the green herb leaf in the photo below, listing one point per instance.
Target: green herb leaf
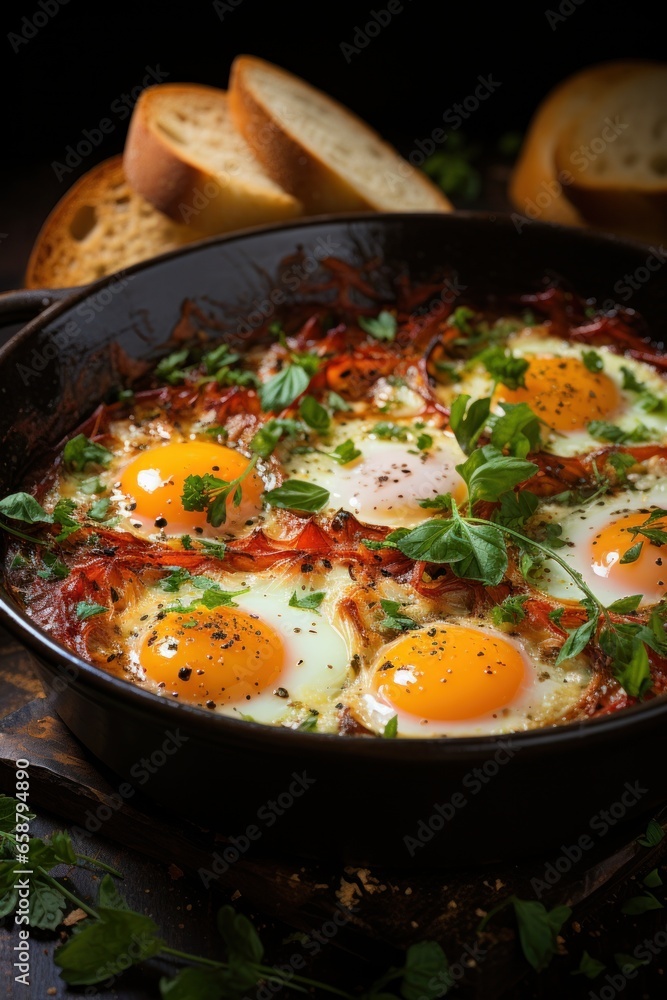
(637, 905)
(518, 430)
(103, 948)
(108, 895)
(309, 602)
(426, 972)
(239, 935)
(626, 605)
(469, 423)
(46, 906)
(627, 962)
(345, 452)
(390, 432)
(538, 930)
(99, 509)
(265, 440)
(80, 451)
(510, 612)
(390, 731)
(474, 551)
(461, 318)
(295, 494)
(24, 507)
(601, 430)
(384, 327)
(54, 568)
(309, 724)
(630, 381)
(589, 966)
(516, 508)
(169, 369)
(443, 501)
(652, 880)
(594, 363)
(488, 474)
(177, 577)
(336, 403)
(86, 609)
(394, 619)
(620, 462)
(62, 515)
(577, 640)
(503, 367)
(314, 414)
(653, 836)
(283, 388)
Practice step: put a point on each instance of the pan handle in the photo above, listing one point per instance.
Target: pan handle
(26, 303)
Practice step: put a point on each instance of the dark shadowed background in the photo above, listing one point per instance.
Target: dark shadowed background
(69, 65)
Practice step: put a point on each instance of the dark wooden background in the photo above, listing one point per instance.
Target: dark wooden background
(64, 81)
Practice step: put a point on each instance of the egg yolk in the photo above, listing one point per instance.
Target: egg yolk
(450, 672)
(219, 657)
(564, 393)
(154, 481)
(647, 574)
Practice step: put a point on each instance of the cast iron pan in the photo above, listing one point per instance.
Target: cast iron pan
(401, 802)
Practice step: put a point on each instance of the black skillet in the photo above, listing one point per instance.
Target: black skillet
(401, 802)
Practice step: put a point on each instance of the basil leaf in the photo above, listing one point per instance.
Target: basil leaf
(264, 440)
(102, 948)
(54, 568)
(503, 367)
(634, 676)
(637, 905)
(314, 414)
(630, 381)
(577, 640)
(284, 388)
(516, 508)
(424, 442)
(177, 577)
(46, 906)
(589, 966)
(601, 430)
(518, 429)
(239, 935)
(24, 507)
(345, 452)
(426, 972)
(99, 509)
(632, 554)
(488, 474)
(295, 494)
(80, 451)
(337, 403)
(108, 895)
(626, 605)
(653, 836)
(309, 602)
(538, 930)
(468, 425)
(475, 552)
(384, 327)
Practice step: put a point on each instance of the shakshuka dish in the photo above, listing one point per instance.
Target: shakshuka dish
(374, 516)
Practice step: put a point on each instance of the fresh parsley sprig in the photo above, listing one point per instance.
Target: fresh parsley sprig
(210, 493)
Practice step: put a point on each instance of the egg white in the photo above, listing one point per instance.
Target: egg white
(317, 662)
(383, 485)
(579, 527)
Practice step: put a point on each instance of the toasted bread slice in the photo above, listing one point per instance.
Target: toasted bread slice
(184, 155)
(319, 151)
(99, 226)
(537, 182)
(616, 151)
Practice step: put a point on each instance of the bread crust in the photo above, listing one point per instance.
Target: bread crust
(170, 180)
(296, 168)
(536, 173)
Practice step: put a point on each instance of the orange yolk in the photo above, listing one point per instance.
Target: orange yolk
(450, 672)
(564, 393)
(647, 575)
(154, 481)
(212, 657)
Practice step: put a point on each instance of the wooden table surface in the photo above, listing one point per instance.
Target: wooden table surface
(385, 911)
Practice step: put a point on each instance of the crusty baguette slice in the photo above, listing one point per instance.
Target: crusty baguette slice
(535, 182)
(318, 150)
(616, 151)
(184, 155)
(99, 226)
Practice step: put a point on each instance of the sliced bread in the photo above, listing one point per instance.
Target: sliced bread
(184, 155)
(98, 227)
(319, 151)
(616, 151)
